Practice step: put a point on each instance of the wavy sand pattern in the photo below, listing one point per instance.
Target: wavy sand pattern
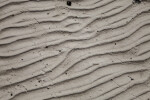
(86, 50)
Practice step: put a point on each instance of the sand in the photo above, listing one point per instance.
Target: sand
(74, 50)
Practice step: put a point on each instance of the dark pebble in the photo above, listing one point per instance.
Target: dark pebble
(137, 1)
(69, 3)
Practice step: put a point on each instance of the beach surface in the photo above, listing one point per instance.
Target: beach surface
(74, 50)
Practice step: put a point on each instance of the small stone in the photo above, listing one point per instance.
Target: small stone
(137, 1)
(69, 3)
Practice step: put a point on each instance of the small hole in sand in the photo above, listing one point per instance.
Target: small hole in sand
(46, 47)
(59, 50)
(39, 81)
(131, 78)
(47, 87)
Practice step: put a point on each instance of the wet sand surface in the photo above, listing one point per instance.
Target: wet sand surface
(74, 50)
